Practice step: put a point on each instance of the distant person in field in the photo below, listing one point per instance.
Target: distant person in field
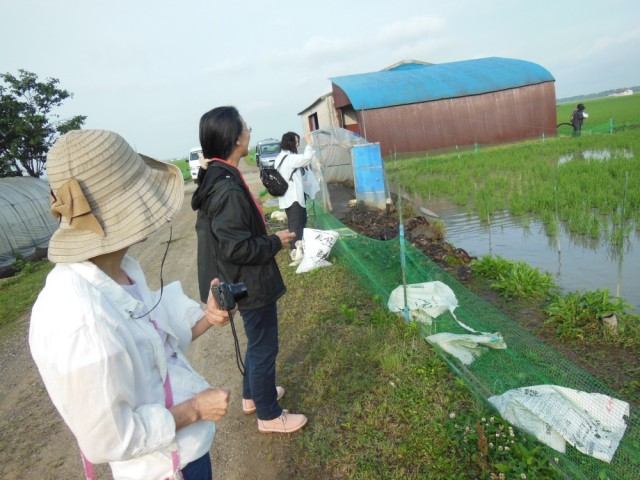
(577, 117)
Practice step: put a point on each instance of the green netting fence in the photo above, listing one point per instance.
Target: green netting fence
(526, 362)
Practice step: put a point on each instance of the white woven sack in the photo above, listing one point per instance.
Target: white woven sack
(317, 247)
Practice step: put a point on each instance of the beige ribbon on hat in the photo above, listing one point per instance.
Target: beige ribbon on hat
(71, 203)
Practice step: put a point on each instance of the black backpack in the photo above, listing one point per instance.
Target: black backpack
(275, 184)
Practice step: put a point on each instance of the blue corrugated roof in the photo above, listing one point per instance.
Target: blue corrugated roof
(434, 82)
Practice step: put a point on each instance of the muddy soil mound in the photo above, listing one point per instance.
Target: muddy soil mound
(419, 231)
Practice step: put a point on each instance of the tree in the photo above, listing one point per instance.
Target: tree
(27, 126)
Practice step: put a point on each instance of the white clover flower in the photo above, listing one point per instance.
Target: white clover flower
(484, 419)
(500, 448)
(492, 419)
(556, 459)
(523, 476)
(452, 415)
(491, 445)
(506, 449)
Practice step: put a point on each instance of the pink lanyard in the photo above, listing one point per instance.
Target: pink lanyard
(168, 402)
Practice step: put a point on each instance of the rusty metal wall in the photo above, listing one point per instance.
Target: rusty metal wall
(488, 119)
(340, 98)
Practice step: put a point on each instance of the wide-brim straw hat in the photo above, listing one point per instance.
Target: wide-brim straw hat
(130, 195)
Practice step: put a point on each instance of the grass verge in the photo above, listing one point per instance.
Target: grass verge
(382, 404)
(18, 293)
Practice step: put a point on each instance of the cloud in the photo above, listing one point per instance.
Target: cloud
(415, 29)
(328, 55)
(229, 66)
(607, 42)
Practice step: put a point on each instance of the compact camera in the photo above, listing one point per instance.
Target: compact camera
(227, 294)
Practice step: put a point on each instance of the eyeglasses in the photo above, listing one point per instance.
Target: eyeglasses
(248, 128)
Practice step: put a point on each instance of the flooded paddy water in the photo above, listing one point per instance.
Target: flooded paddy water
(576, 263)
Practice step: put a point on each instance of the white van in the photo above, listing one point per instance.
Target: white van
(195, 154)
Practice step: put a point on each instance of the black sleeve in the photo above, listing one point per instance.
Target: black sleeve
(233, 227)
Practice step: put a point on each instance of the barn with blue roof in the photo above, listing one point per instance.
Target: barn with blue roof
(414, 106)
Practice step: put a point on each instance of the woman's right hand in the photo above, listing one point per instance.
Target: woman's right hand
(210, 404)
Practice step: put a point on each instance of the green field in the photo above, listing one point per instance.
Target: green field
(595, 198)
(604, 114)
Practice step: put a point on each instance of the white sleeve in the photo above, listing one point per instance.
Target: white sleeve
(296, 160)
(88, 370)
(182, 313)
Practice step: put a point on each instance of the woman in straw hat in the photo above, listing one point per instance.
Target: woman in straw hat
(233, 245)
(110, 351)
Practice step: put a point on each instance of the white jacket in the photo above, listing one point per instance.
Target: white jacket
(104, 370)
(295, 192)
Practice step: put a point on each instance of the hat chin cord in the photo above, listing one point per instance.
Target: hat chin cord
(164, 257)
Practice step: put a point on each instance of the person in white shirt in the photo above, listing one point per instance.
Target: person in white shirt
(111, 352)
(296, 168)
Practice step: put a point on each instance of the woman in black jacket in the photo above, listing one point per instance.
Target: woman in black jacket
(233, 245)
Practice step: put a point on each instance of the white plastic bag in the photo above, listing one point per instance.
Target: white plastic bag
(310, 184)
(279, 216)
(467, 347)
(317, 247)
(297, 254)
(425, 301)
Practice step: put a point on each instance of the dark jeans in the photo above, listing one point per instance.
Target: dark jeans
(259, 384)
(296, 220)
(577, 128)
(199, 469)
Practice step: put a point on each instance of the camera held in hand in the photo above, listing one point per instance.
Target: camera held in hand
(227, 294)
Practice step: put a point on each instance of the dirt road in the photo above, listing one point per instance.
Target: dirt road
(36, 444)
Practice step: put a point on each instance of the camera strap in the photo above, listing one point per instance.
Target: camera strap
(236, 344)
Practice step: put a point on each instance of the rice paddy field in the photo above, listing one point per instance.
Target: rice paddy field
(583, 190)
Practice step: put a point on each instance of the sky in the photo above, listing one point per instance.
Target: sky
(148, 70)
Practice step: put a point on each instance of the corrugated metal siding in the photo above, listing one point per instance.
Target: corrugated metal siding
(435, 82)
(492, 118)
(340, 98)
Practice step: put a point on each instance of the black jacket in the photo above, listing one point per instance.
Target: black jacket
(233, 244)
(577, 117)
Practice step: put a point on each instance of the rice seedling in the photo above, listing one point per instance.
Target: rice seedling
(595, 190)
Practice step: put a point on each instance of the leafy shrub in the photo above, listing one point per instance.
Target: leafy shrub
(578, 316)
(514, 279)
(490, 266)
